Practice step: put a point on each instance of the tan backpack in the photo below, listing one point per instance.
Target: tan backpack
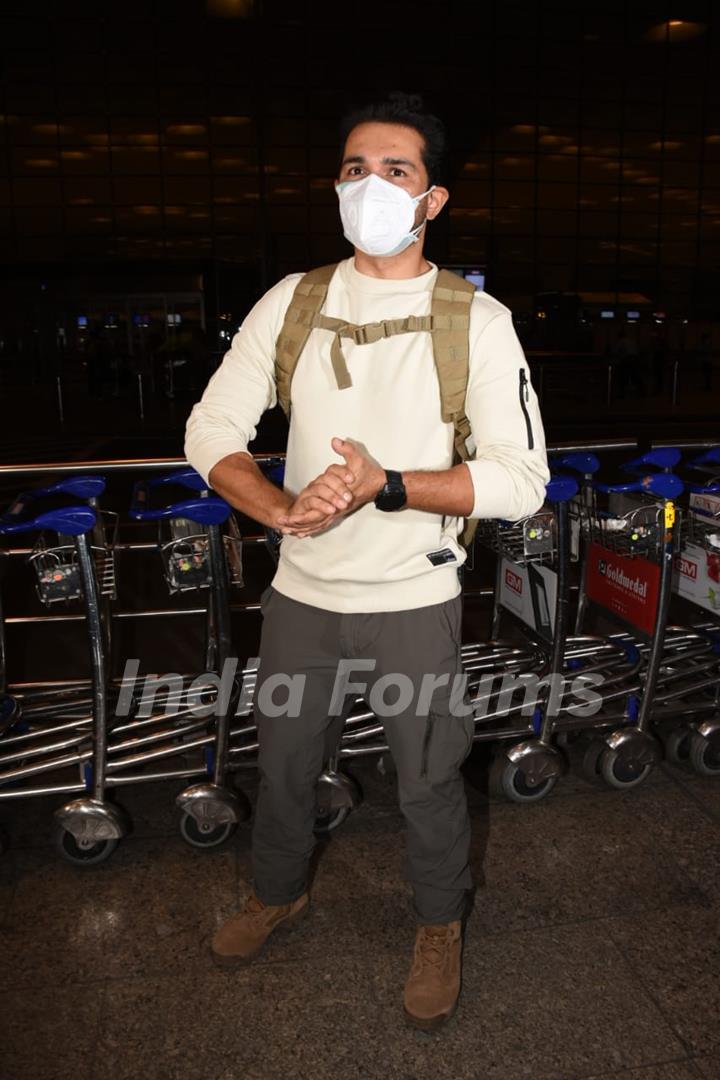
(448, 322)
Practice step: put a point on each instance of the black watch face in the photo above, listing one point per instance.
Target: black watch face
(391, 498)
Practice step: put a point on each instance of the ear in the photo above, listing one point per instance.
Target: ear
(435, 201)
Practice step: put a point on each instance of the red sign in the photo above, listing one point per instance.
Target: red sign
(626, 587)
(513, 581)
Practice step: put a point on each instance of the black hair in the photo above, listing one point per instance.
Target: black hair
(409, 110)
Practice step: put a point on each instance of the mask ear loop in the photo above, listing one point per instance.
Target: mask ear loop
(419, 197)
(415, 233)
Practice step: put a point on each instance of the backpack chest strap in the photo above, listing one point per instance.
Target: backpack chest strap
(367, 334)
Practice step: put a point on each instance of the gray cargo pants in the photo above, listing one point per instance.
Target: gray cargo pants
(307, 644)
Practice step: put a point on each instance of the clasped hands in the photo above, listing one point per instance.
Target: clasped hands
(336, 492)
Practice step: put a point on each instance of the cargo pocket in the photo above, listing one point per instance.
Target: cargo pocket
(447, 742)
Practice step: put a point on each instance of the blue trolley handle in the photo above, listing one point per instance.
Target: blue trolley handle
(710, 457)
(81, 487)
(70, 521)
(703, 489)
(663, 458)
(585, 464)
(664, 485)
(561, 488)
(78, 487)
(187, 478)
(210, 511)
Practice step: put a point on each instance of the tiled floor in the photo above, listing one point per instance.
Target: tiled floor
(592, 950)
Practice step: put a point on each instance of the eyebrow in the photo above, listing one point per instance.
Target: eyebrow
(358, 159)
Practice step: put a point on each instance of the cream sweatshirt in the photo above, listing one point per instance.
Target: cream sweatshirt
(372, 560)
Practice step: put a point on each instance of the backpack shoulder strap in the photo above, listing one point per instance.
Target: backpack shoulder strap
(307, 300)
(450, 309)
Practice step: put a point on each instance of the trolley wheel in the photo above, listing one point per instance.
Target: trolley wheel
(83, 854)
(677, 745)
(622, 771)
(508, 779)
(205, 836)
(705, 754)
(590, 762)
(327, 822)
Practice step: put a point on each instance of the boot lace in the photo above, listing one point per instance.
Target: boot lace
(252, 907)
(433, 944)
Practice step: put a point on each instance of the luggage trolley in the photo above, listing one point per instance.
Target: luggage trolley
(628, 532)
(696, 739)
(70, 564)
(58, 581)
(532, 586)
(196, 555)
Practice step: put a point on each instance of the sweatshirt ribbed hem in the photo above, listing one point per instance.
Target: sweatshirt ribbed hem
(350, 597)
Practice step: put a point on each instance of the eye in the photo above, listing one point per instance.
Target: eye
(354, 170)
(395, 171)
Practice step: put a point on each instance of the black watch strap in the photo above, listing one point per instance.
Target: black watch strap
(392, 495)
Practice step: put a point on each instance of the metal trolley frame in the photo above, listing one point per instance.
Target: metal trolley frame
(628, 532)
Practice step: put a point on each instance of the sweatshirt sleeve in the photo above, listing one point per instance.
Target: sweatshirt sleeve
(510, 469)
(225, 419)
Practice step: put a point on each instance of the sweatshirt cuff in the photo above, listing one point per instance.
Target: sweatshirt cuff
(498, 494)
(204, 458)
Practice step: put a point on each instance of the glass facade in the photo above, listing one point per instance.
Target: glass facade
(585, 136)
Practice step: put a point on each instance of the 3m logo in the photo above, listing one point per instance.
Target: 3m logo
(708, 503)
(513, 581)
(686, 567)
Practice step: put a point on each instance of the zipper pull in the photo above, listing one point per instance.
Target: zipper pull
(524, 381)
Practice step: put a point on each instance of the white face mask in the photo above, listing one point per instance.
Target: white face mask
(377, 216)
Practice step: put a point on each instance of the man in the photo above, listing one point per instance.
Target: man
(358, 586)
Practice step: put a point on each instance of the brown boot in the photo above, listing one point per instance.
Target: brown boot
(433, 986)
(240, 939)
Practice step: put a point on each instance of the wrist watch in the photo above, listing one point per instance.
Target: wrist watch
(392, 496)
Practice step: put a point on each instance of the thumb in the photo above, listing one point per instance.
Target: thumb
(342, 447)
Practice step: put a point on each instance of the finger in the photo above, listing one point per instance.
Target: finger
(293, 521)
(341, 472)
(313, 511)
(314, 506)
(322, 507)
(312, 531)
(344, 448)
(332, 480)
(332, 490)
